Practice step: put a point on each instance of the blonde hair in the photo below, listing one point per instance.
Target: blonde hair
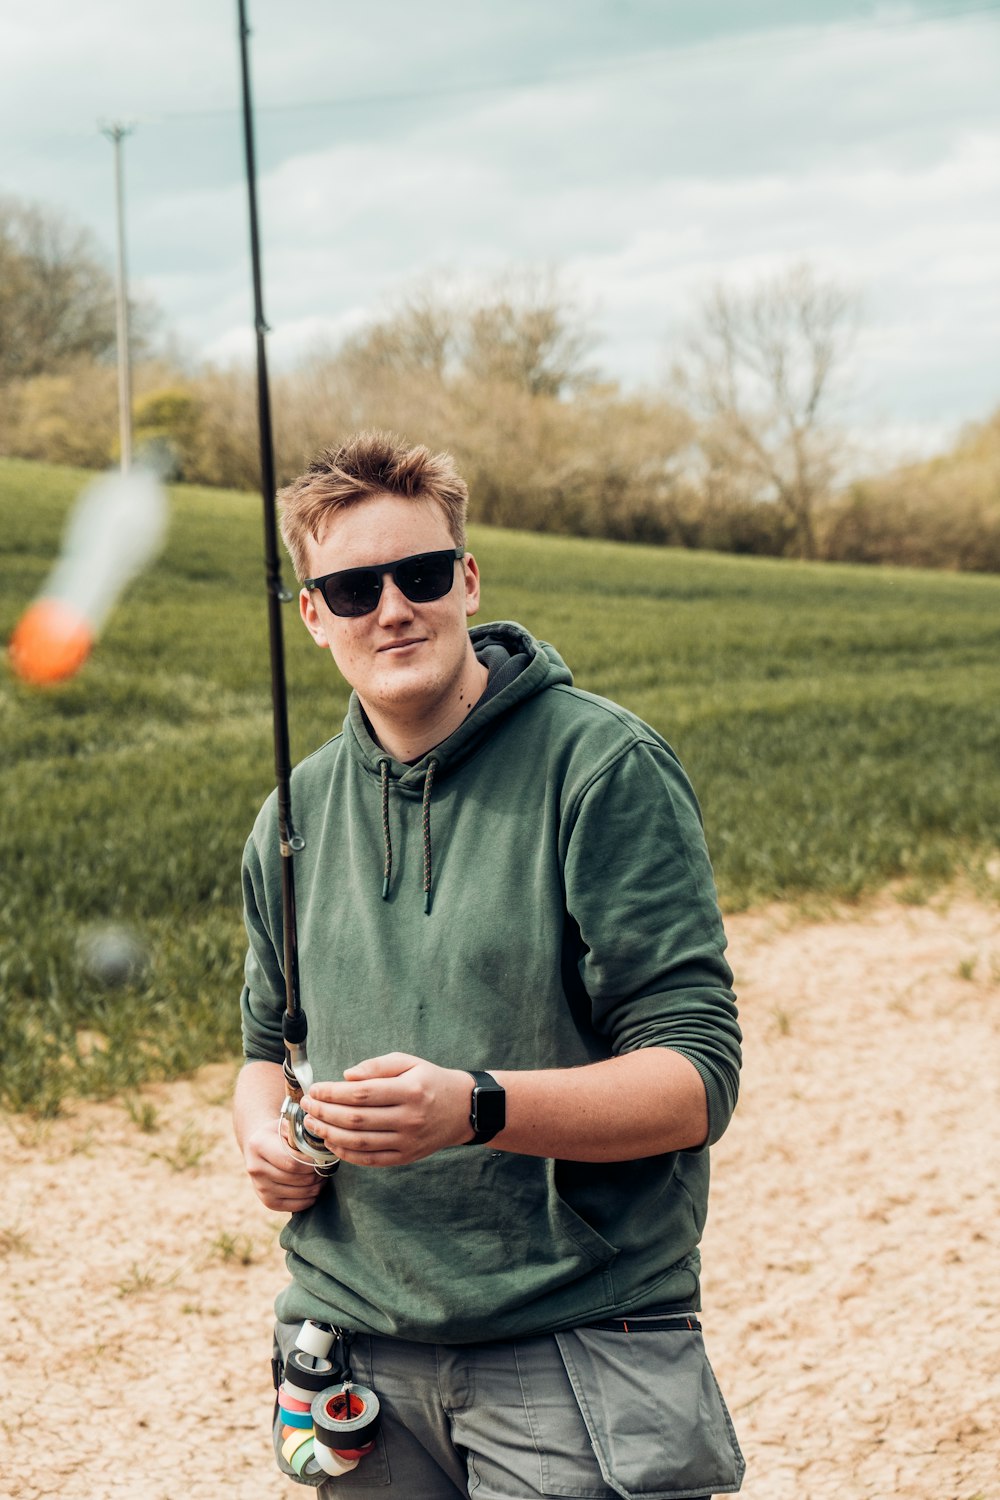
(366, 466)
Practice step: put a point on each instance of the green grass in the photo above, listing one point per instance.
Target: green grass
(841, 727)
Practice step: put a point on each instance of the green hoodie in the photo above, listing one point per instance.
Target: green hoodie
(544, 898)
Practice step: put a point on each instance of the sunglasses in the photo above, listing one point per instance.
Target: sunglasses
(357, 591)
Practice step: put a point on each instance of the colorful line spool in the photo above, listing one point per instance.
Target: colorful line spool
(294, 1442)
(315, 1338)
(331, 1462)
(303, 1456)
(290, 1402)
(346, 1418)
(307, 1374)
(295, 1419)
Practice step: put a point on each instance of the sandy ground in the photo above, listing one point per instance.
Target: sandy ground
(852, 1281)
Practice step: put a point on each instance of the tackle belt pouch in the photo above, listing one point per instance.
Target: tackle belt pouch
(284, 1342)
(652, 1406)
(376, 1468)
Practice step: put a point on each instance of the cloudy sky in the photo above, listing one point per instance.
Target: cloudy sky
(648, 148)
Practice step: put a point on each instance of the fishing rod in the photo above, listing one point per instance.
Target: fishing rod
(297, 1070)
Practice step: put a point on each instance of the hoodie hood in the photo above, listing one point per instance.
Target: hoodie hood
(519, 667)
(543, 668)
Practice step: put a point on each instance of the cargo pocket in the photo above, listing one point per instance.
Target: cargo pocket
(653, 1408)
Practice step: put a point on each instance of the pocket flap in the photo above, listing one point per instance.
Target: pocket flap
(653, 1409)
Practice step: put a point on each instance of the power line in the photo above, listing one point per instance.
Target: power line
(785, 39)
(566, 72)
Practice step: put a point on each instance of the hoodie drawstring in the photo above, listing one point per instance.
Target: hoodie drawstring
(383, 766)
(426, 823)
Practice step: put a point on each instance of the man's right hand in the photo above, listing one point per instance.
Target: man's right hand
(280, 1180)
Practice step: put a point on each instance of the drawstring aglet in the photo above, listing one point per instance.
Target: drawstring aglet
(385, 888)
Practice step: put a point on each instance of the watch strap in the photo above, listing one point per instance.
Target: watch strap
(486, 1124)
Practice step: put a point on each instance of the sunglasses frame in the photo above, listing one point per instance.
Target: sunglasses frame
(381, 569)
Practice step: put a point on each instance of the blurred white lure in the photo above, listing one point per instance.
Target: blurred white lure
(116, 528)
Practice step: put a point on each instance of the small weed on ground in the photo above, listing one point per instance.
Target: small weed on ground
(188, 1152)
(236, 1249)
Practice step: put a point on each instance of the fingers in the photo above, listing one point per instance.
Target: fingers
(289, 1198)
(353, 1134)
(372, 1105)
(280, 1180)
(288, 1203)
(388, 1066)
(389, 1110)
(273, 1154)
(378, 1082)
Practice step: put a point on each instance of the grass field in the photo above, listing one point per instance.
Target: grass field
(841, 727)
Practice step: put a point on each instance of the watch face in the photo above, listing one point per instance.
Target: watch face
(489, 1110)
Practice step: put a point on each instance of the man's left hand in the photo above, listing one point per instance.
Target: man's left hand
(391, 1110)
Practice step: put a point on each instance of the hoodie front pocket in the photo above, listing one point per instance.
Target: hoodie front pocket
(653, 1410)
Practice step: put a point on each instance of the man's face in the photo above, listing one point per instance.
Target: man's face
(403, 658)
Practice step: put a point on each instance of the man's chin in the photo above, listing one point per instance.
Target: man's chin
(401, 689)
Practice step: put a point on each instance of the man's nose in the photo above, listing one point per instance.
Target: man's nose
(393, 606)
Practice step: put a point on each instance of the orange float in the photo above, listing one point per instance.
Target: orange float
(51, 642)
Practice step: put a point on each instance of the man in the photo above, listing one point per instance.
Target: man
(511, 962)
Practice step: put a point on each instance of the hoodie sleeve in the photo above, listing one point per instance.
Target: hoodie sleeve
(263, 999)
(639, 885)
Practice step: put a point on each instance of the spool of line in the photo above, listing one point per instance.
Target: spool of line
(303, 1456)
(293, 1443)
(314, 1338)
(295, 1418)
(300, 1393)
(331, 1462)
(290, 1402)
(306, 1374)
(346, 1417)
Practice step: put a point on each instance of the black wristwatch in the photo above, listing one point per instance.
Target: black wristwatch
(488, 1114)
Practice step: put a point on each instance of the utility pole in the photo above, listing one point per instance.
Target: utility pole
(116, 133)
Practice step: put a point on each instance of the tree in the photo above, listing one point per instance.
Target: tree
(415, 337)
(760, 373)
(57, 297)
(519, 329)
(524, 330)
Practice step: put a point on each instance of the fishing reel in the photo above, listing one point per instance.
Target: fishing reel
(299, 1141)
(298, 1081)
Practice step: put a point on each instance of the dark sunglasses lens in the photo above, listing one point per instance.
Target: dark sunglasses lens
(354, 592)
(428, 577)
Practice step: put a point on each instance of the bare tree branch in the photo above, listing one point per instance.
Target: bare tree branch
(760, 372)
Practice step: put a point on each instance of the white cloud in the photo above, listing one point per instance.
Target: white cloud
(873, 152)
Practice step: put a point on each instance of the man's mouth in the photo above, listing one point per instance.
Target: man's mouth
(401, 645)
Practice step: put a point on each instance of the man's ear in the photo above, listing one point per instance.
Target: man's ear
(471, 568)
(311, 618)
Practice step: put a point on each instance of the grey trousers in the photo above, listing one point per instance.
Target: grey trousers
(588, 1413)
